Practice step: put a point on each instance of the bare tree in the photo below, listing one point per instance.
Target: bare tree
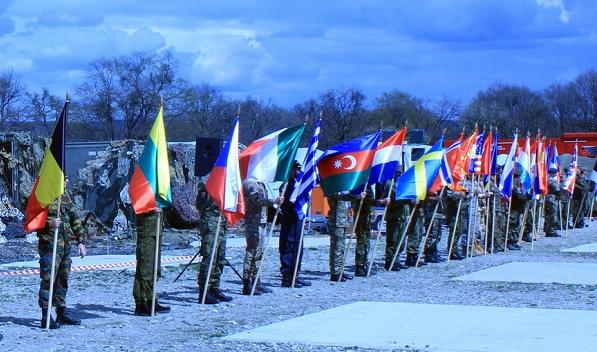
(44, 108)
(344, 116)
(11, 94)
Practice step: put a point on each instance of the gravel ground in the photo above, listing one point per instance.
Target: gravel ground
(103, 299)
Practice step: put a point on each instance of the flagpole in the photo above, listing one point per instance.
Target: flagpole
(455, 227)
(591, 210)
(53, 268)
(493, 217)
(211, 260)
(579, 212)
(298, 251)
(541, 224)
(471, 217)
(383, 217)
(156, 260)
(567, 217)
(269, 235)
(524, 220)
(561, 216)
(487, 207)
(404, 232)
(422, 247)
(508, 218)
(352, 232)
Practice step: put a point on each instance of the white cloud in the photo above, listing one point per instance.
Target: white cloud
(559, 4)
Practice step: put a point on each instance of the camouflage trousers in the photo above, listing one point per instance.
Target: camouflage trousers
(551, 215)
(253, 252)
(61, 272)
(514, 229)
(362, 247)
(579, 211)
(415, 232)
(394, 231)
(209, 226)
(147, 228)
(337, 243)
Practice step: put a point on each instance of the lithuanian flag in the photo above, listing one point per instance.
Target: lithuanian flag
(150, 184)
(49, 185)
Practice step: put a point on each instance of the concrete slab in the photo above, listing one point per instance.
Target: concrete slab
(585, 248)
(539, 272)
(390, 325)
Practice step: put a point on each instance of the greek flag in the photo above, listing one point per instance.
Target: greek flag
(307, 178)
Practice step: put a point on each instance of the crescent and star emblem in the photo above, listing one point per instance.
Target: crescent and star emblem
(353, 162)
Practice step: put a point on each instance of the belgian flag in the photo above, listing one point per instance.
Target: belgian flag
(49, 185)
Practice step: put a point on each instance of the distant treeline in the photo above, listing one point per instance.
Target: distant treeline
(120, 96)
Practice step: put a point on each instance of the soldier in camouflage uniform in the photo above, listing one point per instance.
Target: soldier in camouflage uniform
(337, 225)
(363, 228)
(430, 248)
(69, 229)
(452, 199)
(551, 205)
(147, 228)
(209, 215)
(519, 198)
(396, 217)
(256, 203)
(415, 233)
(579, 199)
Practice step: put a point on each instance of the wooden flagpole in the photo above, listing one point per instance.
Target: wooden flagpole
(561, 216)
(422, 247)
(579, 212)
(508, 218)
(298, 252)
(156, 260)
(269, 235)
(455, 227)
(383, 217)
(404, 233)
(352, 232)
(524, 220)
(567, 217)
(211, 260)
(591, 210)
(53, 267)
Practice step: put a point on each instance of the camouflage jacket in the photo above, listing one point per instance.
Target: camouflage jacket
(397, 209)
(338, 215)
(553, 186)
(71, 227)
(204, 203)
(256, 202)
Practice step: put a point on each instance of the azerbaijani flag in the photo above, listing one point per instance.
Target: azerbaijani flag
(346, 166)
(270, 158)
(223, 184)
(150, 184)
(416, 181)
(49, 185)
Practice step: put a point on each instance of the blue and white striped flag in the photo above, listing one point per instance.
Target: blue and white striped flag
(307, 178)
(508, 173)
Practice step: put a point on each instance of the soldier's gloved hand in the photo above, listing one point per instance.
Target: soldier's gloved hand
(279, 200)
(384, 201)
(55, 223)
(82, 250)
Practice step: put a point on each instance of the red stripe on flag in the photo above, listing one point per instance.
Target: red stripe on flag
(346, 162)
(35, 214)
(245, 156)
(142, 196)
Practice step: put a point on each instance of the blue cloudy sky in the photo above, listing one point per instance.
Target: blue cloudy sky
(293, 50)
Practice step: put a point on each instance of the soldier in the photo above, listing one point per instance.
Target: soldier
(431, 253)
(452, 200)
(209, 215)
(579, 199)
(415, 234)
(337, 225)
(519, 197)
(147, 228)
(362, 229)
(499, 228)
(69, 229)
(396, 217)
(256, 203)
(290, 232)
(551, 206)
(565, 199)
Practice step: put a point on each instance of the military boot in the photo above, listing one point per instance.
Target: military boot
(142, 309)
(216, 292)
(66, 318)
(411, 259)
(160, 308)
(44, 317)
(360, 271)
(210, 297)
(247, 286)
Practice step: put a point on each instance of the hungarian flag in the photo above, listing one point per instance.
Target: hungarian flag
(224, 184)
(150, 184)
(270, 158)
(346, 166)
(49, 185)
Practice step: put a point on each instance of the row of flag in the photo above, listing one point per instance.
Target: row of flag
(348, 166)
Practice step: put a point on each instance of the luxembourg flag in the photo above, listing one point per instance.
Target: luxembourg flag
(270, 158)
(388, 156)
(524, 162)
(508, 172)
(223, 184)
